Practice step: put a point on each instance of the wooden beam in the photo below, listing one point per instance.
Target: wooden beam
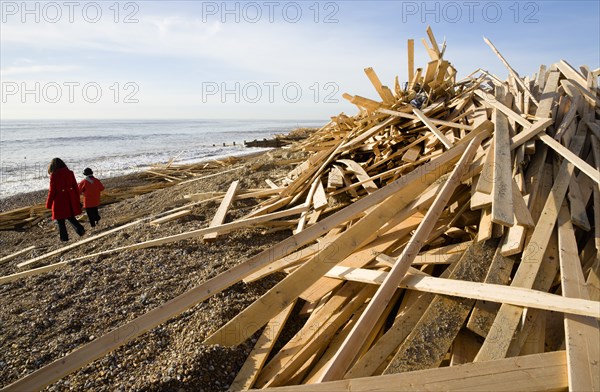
(514, 73)
(432, 120)
(171, 217)
(491, 102)
(385, 95)
(258, 356)
(219, 217)
(411, 59)
(439, 134)
(518, 296)
(484, 312)
(8, 258)
(317, 321)
(528, 134)
(571, 157)
(539, 372)
(421, 349)
(502, 205)
(320, 198)
(346, 355)
(581, 333)
(77, 244)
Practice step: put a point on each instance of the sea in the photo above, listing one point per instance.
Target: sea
(117, 147)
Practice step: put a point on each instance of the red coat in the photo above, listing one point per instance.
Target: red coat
(91, 191)
(63, 195)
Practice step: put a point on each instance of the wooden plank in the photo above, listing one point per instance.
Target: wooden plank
(482, 197)
(346, 355)
(514, 295)
(540, 372)
(571, 157)
(77, 244)
(502, 205)
(577, 206)
(422, 349)
(567, 69)
(521, 212)
(307, 204)
(334, 179)
(464, 348)
(485, 225)
(171, 217)
(432, 120)
(528, 329)
(219, 217)
(581, 333)
(369, 133)
(8, 258)
(432, 128)
(514, 73)
(32, 272)
(361, 174)
(271, 184)
(484, 312)
(411, 59)
(412, 154)
(258, 356)
(441, 255)
(402, 192)
(528, 134)
(363, 256)
(434, 44)
(386, 96)
(320, 198)
(491, 102)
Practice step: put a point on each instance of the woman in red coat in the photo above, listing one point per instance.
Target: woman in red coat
(63, 198)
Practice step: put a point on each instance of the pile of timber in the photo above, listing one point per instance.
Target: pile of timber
(446, 237)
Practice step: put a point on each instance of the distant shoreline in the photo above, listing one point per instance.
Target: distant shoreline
(24, 199)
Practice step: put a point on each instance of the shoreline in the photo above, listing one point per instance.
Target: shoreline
(23, 199)
(132, 172)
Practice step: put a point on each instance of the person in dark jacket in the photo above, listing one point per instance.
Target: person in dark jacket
(63, 198)
(90, 188)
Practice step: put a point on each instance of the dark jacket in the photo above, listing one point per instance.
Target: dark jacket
(63, 195)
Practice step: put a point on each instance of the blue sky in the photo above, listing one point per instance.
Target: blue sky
(263, 59)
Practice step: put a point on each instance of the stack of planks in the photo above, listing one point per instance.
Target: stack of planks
(447, 237)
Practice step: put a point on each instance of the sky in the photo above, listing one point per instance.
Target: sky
(260, 59)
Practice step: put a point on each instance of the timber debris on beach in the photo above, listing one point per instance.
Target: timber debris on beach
(446, 237)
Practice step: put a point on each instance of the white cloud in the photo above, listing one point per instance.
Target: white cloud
(36, 69)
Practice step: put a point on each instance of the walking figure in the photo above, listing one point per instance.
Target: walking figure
(91, 187)
(63, 198)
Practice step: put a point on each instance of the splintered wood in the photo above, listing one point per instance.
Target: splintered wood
(437, 229)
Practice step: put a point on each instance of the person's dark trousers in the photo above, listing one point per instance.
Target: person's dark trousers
(62, 228)
(93, 215)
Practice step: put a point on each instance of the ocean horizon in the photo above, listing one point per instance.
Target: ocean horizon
(118, 147)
